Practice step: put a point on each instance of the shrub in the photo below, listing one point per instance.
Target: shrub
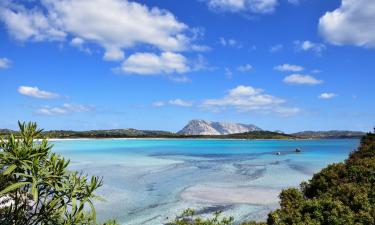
(37, 188)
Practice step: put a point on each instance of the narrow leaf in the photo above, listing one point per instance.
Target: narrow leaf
(13, 187)
(10, 169)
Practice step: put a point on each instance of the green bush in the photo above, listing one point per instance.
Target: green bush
(36, 186)
(188, 218)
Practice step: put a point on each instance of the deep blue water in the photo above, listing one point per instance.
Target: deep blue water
(149, 181)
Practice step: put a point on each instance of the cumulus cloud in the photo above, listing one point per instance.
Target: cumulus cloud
(35, 92)
(64, 109)
(326, 95)
(180, 102)
(24, 24)
(151, 64)
(317, 48)
(288, 68)
(4, 63)
(300, 79)
(115, 25)
(245, 68)
(253, 6)
(352, 23)
(247, 98)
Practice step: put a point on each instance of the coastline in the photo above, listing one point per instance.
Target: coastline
(165, 138)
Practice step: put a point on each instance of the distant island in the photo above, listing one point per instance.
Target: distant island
(330, 134)
(199, 129)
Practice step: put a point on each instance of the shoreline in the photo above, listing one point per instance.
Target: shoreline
(210, 139)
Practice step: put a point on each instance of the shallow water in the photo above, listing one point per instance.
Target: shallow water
(151, 181)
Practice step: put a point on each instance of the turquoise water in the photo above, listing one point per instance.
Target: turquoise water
(150, 181)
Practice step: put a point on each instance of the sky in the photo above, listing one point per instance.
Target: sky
(287, 65)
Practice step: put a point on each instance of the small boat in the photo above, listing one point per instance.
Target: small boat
(298, 150)
(278, 153)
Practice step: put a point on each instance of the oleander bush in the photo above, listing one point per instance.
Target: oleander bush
(37, 188)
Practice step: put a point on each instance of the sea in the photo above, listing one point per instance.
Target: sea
(151, 181)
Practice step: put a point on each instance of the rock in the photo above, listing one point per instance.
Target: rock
(203, 127)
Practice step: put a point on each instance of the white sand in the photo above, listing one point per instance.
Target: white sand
(230, 195)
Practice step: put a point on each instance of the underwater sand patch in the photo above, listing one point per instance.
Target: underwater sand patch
(230, 195)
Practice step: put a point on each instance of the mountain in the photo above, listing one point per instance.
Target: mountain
(204, 127)
(330, 134)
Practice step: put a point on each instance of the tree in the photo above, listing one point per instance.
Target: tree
(36, 186)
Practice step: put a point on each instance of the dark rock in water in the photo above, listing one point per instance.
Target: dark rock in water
(212, 209)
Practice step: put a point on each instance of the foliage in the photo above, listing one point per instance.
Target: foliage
(188, 218)
(123, 133)
(37, 186)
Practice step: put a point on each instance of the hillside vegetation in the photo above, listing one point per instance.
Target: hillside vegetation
(133, 133)
(330, 134)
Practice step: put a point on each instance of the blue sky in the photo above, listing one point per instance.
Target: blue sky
(100, 64)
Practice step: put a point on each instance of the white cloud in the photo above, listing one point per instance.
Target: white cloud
(4, 63)
(200, 48)
(301, 79)
(151, 64)
(79, 43)
(242, 90)
(180, 79)
(352, 23)
(245, 68)
(115, 25)
(276, 48)
(23, 24)
(229, 42)
(316, 71)
(179, 102)
(173, 102)
(327, 95)
(254, 6)
(247, 98)
(158, 104)
(35, 92)
(228, 73)
(289, 68)
(64, 109)
(285, 111)
(317, 48)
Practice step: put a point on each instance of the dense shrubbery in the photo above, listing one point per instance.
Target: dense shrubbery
(342, 193)
(36, 187)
